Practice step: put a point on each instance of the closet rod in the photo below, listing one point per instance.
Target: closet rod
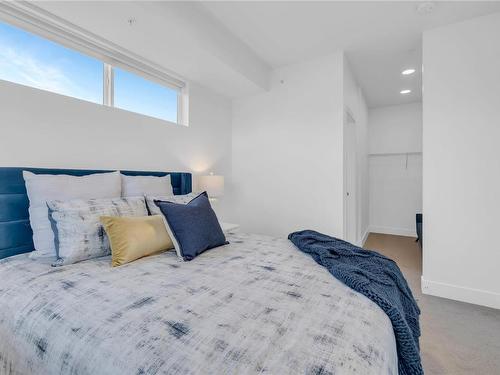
(395, 153)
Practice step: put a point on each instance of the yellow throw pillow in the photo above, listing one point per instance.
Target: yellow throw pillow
(132, 238)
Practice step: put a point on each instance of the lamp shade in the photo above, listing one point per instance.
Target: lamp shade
(212, 184)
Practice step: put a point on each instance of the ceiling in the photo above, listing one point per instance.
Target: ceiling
(182, 37)
(232, 46)
(380, 38)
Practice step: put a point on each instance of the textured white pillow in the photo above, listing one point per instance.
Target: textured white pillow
(181, 199)
(139, 186)
(79, 234)
(43, 188)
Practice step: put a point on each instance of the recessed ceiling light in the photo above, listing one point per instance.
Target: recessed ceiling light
(407, 72)
(405, 91)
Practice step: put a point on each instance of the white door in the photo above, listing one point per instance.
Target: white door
(350, 219)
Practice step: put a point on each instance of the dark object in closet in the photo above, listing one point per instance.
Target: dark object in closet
(419, 228)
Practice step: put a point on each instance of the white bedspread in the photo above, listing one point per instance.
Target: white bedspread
(257, 305)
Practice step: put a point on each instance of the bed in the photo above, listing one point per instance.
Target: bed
(254, 306)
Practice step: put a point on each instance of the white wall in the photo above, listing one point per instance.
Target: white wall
(395, 180)
(354, 102)
(287, 151)
(396, 128)
(41, 129)
(461, 198)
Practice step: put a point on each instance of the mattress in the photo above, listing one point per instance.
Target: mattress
(255, 306)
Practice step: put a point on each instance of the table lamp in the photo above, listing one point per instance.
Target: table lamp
(212, 184)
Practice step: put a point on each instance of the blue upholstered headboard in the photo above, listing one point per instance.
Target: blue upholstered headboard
(15, 230)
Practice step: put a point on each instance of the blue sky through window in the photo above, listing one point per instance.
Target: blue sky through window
(33, 61)
(137, 94)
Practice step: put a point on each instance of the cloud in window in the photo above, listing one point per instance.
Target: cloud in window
(25, 69)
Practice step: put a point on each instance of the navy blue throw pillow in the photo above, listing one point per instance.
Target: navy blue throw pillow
(194, 227)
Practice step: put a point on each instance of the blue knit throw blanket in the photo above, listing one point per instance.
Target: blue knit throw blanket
(377, 278)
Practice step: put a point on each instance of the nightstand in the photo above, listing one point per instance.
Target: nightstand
(228, 227)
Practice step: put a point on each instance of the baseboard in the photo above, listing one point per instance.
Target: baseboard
(460, 293)
(392, 230)
(364, 238)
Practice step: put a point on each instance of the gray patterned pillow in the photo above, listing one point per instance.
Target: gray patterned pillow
(78, 232)
(180, 199)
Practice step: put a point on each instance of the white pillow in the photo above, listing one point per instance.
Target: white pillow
(139, 186)
(77, 228)
(43, 188)
(181, 199)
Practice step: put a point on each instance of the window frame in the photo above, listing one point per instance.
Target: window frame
(108, 85)
(109, 91)
(32, 19)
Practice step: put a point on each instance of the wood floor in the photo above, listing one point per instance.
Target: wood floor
(457, 338)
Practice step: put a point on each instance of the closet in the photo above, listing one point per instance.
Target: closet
(395, 168)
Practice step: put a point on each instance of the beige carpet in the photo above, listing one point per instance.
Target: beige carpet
(457, 338)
